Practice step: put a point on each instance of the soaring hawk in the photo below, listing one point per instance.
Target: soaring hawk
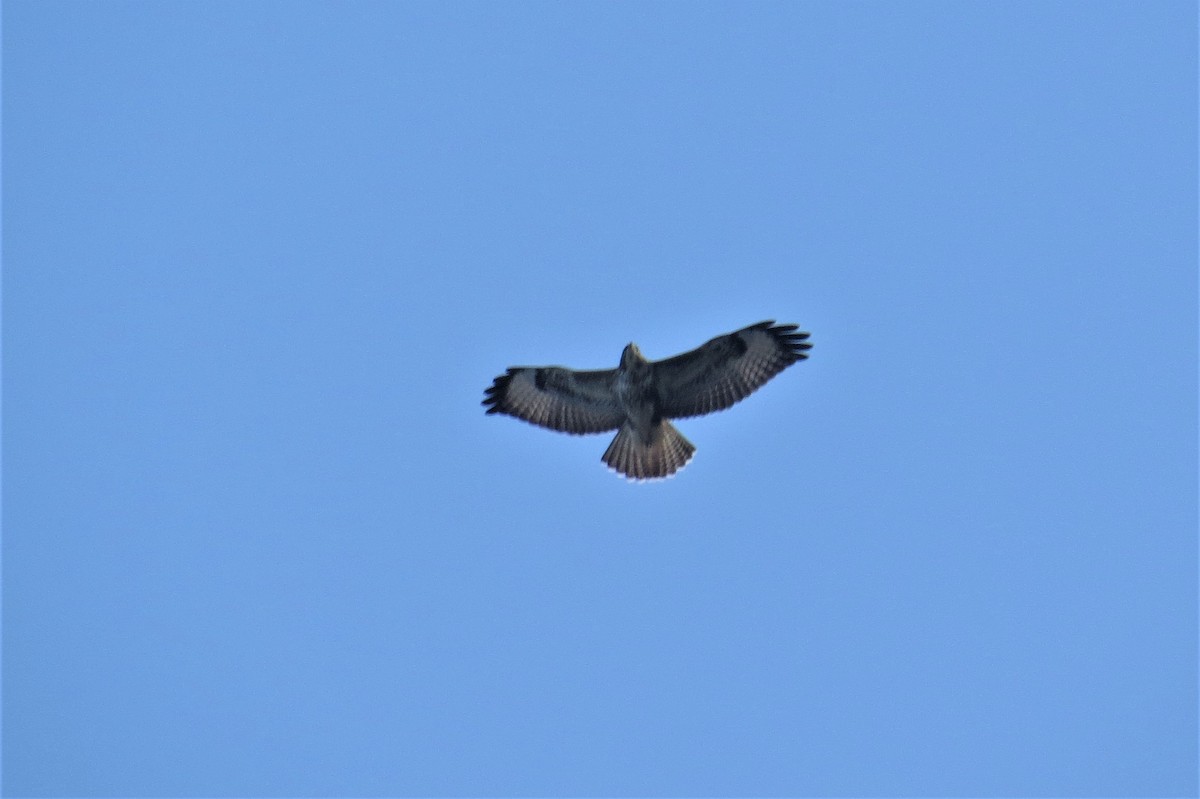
(639, 397)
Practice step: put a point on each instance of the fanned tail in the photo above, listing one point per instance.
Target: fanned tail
(666, 453)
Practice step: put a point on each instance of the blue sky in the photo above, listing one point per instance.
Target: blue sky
(261, 260)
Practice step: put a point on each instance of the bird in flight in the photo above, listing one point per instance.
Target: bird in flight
(640, 397)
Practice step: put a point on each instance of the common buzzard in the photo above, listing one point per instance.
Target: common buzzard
(639, 397)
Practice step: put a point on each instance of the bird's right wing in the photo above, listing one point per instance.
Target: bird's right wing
(558, 398)
(727, 369)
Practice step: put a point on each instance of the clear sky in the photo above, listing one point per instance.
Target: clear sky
(261, 260)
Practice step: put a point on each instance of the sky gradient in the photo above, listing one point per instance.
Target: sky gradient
(261, 260)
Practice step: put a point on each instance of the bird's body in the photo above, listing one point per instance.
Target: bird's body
(634, 389)
(639, 397)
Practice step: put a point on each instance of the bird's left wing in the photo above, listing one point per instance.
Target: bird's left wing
(558, 398)
(727, 369)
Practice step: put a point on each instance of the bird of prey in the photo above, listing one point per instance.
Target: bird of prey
(639, 397)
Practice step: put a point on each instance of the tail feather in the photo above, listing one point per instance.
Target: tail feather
(666, 453)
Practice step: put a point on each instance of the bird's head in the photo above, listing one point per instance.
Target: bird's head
(631, 356)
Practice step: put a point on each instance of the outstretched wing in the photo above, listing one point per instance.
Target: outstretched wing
(727, 369)
(557, 398)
